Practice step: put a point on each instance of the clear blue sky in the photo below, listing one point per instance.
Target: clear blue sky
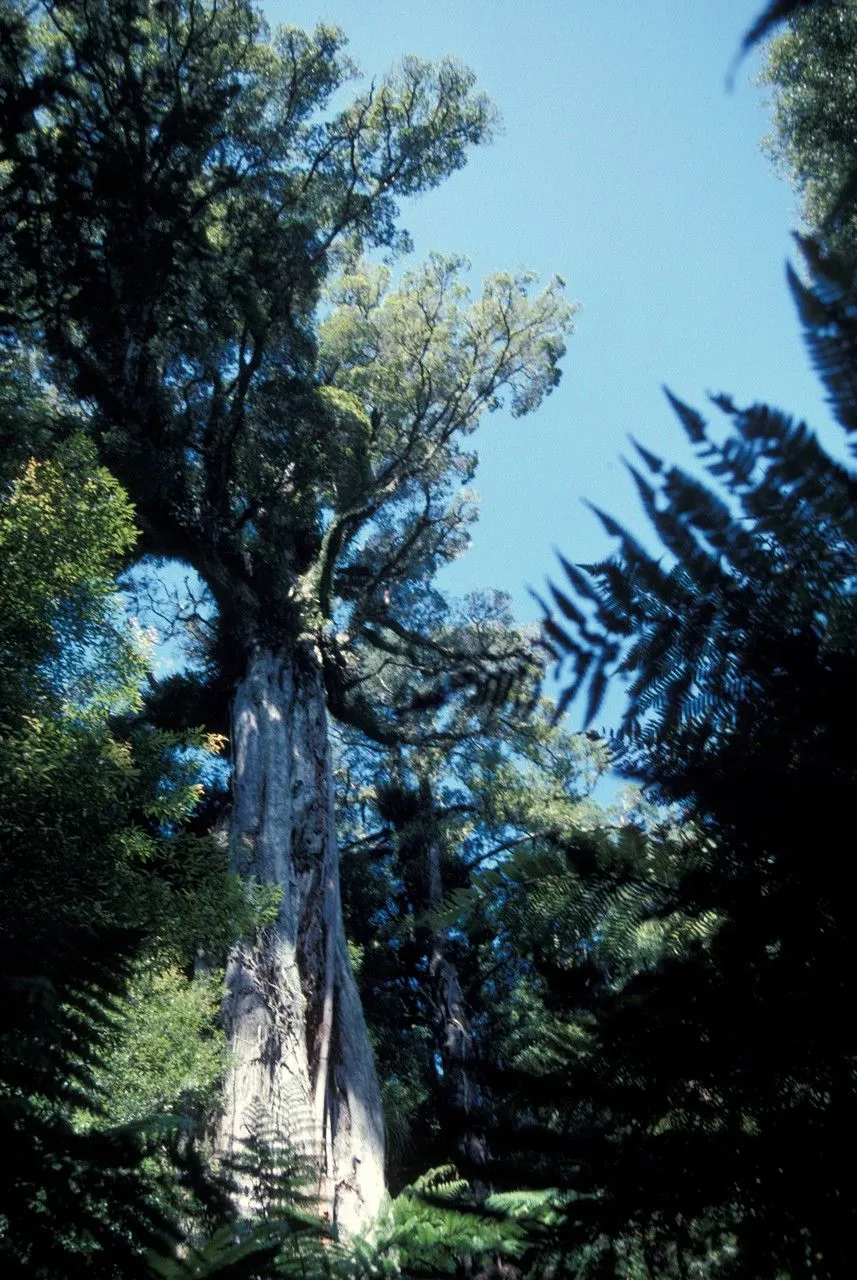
(626, 166)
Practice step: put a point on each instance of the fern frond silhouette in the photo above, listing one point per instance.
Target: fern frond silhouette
(711, 1091)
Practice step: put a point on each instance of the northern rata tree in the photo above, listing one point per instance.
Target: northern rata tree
(170, 202)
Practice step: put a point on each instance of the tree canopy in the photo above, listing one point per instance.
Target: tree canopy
(174, 194)
(809, 67)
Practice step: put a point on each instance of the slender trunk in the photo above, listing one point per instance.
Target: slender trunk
(452, 1028)
(300, 1054)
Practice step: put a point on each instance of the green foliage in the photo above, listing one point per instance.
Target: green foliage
(206, 250)
(83, 808)
(261, 904)
(90, 822)
(283, 1236)
(65, 525)
(93, 810)
(227, 1255)
(436, 1222)
(165, 1052)
(325, 478)
(178, 189)
(90, 812)
(810, 68)
(71, 1197)
(436, 895)
(423, 1236)
(830, 329)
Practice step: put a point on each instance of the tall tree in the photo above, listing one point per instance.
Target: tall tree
(172, 198)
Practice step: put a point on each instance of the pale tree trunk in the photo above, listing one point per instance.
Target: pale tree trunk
(300, 1054)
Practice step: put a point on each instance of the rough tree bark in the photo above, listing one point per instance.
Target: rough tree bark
(300, 1053)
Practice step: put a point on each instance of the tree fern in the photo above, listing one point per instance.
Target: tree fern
(718, 1070)
(72, 1197)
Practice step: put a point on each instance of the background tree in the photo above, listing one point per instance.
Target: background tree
(425, 833)
(172, 198)
(87, 814)
(810, 70)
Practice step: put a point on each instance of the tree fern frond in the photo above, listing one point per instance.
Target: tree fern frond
(652, 461)
(693, 422)
(597, 689)
(566, 607)
(775, 12)
(830, 332)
